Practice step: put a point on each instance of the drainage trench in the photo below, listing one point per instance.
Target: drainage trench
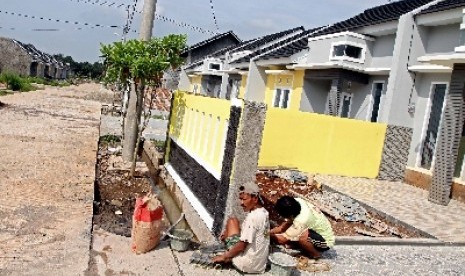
(152, 159)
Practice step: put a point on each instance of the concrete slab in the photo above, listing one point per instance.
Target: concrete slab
(111, 255)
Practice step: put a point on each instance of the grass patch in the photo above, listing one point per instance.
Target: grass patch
(110, 139)
(157, 117)
(16, 83)
(159, 145)
(3, 93)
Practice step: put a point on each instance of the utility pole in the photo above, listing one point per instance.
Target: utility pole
(136, 94)
(148, 17)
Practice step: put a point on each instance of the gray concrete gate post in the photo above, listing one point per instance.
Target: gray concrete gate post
(240, 161)
(449, 137)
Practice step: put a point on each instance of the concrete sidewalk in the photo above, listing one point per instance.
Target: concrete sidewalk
(404, 203)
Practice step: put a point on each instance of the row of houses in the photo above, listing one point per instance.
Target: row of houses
(26, 60)
(401, 64)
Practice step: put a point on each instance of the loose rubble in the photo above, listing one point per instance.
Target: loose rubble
(346, 215)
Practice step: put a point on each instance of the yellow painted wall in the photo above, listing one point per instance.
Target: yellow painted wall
(196, 80)
(322, 144)
(199, 125)
(243, 85)
(295, 81)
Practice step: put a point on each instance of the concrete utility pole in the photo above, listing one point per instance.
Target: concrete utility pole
(136, 94)
(146, 28)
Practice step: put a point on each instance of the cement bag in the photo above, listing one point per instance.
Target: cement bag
(146, 224)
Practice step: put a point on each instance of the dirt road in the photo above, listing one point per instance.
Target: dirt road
(48, 143)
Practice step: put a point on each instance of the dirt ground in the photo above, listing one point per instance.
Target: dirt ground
(48, 141)
(115, 194)
(274, 188)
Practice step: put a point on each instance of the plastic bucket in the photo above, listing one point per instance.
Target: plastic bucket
(281, 264)
(180, 239)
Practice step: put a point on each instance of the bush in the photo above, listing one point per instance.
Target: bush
(37, 80)
(15, 82)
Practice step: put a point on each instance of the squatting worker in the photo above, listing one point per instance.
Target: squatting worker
(305, 226)
(248, 245)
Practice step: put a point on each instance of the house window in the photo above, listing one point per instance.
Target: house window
(378, 88)
(281, 97)
(346, 102)
(348, 52)
(435, 114)
(214, 66)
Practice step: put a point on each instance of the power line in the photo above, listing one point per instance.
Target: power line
(90, 25)
(43, 29)
(214, 17)
(157, 16)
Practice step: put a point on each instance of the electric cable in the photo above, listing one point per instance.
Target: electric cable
(214, 16)
(157, 16)
(86, 24)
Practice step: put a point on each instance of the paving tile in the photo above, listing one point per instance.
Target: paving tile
(405, 203)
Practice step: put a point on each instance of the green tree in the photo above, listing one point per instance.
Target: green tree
(138, 64)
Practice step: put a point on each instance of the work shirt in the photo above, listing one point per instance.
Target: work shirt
(310, 218)
(255, 231)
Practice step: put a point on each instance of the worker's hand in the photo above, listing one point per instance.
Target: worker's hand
(223, 236)
(220, 259)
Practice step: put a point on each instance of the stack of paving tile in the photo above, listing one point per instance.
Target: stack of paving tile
(203, 257)
(291, 176)
(344, 206)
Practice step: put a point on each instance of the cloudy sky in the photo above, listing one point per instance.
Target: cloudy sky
(80, 38)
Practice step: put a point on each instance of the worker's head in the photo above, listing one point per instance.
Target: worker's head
(249, 195)
(287, 207)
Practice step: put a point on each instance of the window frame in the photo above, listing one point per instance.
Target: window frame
(281, 97)
(214, 63)
(372, 100)
(347, 58)
(341, 104)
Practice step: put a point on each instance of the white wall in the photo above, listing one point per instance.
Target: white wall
(442, 39)
(381, 53)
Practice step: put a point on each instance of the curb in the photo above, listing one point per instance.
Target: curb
(356, 240)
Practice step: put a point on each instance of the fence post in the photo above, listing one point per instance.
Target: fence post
(240, 161)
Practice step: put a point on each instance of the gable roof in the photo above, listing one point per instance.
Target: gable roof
(444, 5)
(249, 45)
(36, 54)
(210, 40)
(267, 39)
(377, 15)
(270, 47)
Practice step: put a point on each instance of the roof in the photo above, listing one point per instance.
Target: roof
(267, 39)
(36, 54)
(283, 42)
(211, 39)
(248, 45)
(444, 5)
(377, 15)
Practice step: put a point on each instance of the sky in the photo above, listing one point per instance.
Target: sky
(81, 38)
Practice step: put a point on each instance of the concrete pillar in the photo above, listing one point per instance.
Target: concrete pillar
(448, 141)
(256, 83)
(244, 163)
(334, 97)
(184, 81)
(394, 110)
